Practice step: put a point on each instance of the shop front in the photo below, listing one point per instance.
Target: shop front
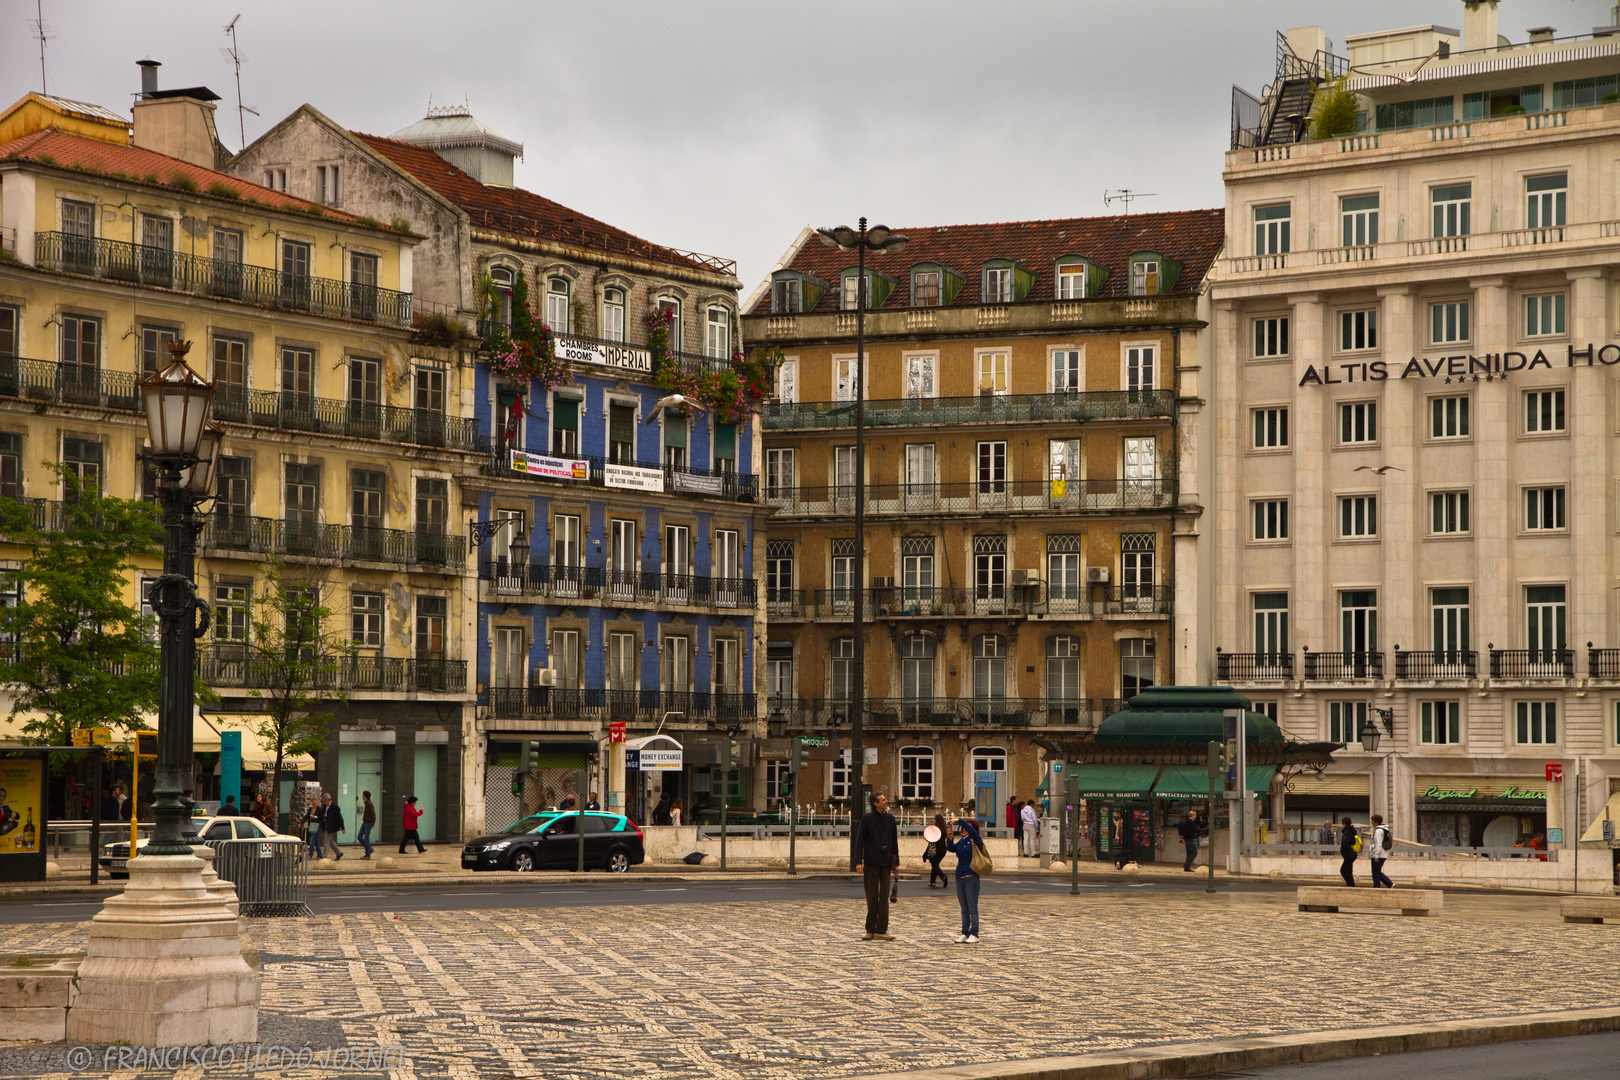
(1310, 802)
(1480, 811)
(525, 772)
(1123, 790)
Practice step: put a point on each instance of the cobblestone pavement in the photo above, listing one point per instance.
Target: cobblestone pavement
(785, 990)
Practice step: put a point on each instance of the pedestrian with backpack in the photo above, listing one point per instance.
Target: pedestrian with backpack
(1349, 848)
(969, 849)
(1378, 847)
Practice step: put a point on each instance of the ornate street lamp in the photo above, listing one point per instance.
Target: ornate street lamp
(877, 239)
(184, 451)
(1369, 736)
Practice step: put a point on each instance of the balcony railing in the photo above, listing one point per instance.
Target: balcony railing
(678, 479)
(614, 587)
(1602, 663)
(274, 536)
(979, 497)
(633, 706)
(1254, 667)
(959, 712)
(351, 419)
(1343, 666)
(985, 409)
(1436, 664)
(1532, 663)
(988, 601)
(226, 666)
(221, 279)
(1588, 232)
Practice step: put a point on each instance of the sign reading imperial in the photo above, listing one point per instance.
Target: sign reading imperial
(1464, 368)
(603, 354)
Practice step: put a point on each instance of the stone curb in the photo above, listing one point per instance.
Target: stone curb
(338, 879)
(1209, 1058)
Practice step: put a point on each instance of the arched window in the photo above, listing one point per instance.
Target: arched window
(677, 339)
(917, 772)
(717, 338)
(989, 667)
(502, 277)
(613, 314)
(557, 304)
(917, 667)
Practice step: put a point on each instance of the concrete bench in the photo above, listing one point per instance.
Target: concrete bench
(1589, 909)
(1334, 897)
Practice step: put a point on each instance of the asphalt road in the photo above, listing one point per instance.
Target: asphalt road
(467, 892)
(1580, 1057)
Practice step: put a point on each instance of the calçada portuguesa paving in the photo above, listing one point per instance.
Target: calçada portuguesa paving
(773, 989)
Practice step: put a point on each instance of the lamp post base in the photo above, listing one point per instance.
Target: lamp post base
(165, 966)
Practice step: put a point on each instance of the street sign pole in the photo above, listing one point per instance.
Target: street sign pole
(1073, 783)
(1215, 767)
(725, 782)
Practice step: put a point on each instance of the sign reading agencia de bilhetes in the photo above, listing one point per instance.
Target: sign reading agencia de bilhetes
(1455, 369)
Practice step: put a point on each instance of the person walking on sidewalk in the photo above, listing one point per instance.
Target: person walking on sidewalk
(938, 850)
(1349, 848)
(967, 882)
(331, 825)
(411, 836)
(1378, 845)
(1031, 820)
(1015, 821)
(877, 854)
(368, 821)
(312, 829)
(1188, 831)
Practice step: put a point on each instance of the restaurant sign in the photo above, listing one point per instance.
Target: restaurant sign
(603, 354)
(1460, 369)
(1434, 791)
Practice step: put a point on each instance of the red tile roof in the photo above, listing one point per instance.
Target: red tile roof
(131, 163)
(1189, 238)
(514, 210)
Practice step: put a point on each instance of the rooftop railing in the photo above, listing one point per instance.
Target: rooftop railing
(1087, 496)
(221, 279)
(985, 409)
(435, 549)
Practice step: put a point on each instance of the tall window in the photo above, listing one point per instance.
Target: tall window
(431, 620)
(565, 553)
(1270, 428)
(1358, 621)
(841, 668)
(1063, 669)
(717, 340)
(432, 504)
(779, 571)
(1448, 417)
(843, 574)
(366, 499)
(558, 304)
(1270, 519)
(1543, 411)
(846, 373)
(916, 772)
(675, 675)
(787, 379)
(1271, 230)
(365, 386)
(1062, 464)
(838, 784)
(501, 276)
(1440, 723)
(565, 425)
(677, 550)
(1358, 516)
(511, 656)
(230, 613)
(675, 431)
(1271, 336)
(1136, 667)
(230, 373)
(1140, 362)
(992, 468)
(993, 373)
(989, 667)
(990, 571)
(1066, 371)
(1141, 465)
(155, 342)
(1543, 508)
(362, 286)
(1358, 422)
(917, 569)
(1448, 612)
(1545, 198)
(1537, 723)
(785, 296)
(1270, 627)
(851, 296)
(1071, 281)
(1345, 721)
(429, 396)
(81, 351)
(11, 485)
(1448, 512)
(920, 380)
(295, 269)
(726, 558)
(613, 314)
(998, 285)
(1137, 559)
(303, 496)
(297, 376)
(235, 494)
(1544, 315)
(1358, 329)
(779, 473)
(920, 470)
(326, 184)
(1065, 587)
(565, 658)
(366, 620)
(1452, 208)
(1544, 622)
(671, 309)
(1358, 215)
(9, 337)
(83, 458)
(779, 683)
(727, 666)
(621, 433)
(925, 288)
(778, 782)
(917, 667)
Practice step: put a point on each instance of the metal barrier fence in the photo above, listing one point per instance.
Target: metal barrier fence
(271, 876)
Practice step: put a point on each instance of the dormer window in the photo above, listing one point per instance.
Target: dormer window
(925, 288)
(851, 300)
(786, 294)
(1145, 276)
(998, 285)
(1073, 279)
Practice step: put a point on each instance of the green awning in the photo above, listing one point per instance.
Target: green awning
(1192, 781)
(1113, 781)
(1259, 777)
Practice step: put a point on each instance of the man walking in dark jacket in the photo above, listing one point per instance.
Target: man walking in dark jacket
(877, 854)
(1349, 841)
(331, 825)
(1188, 831)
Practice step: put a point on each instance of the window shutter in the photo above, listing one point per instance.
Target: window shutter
(725, 441)
(950, 286)
(1095, 276)
(1023, 281)
(565, 413)
(675, 431)
(622, 422)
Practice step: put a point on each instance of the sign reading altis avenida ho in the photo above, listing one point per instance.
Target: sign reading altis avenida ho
(1456, 369)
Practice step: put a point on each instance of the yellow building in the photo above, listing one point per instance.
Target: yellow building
(343, 438)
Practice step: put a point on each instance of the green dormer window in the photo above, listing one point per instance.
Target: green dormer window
(1152, 274)
(793, 293)
(878, 289)
(1078, 278)
(934, 286)
(1005, 282)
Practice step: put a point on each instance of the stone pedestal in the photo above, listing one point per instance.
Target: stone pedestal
(165, 965)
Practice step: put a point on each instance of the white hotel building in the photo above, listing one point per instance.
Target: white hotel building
(1415, 469)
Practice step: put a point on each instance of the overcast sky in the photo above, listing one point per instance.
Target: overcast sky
(725, 127)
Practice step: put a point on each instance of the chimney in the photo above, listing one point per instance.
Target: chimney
(148, 68)
(1479, 24)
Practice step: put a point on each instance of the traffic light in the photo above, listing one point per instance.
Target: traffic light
(1219, 758)
(797, 762)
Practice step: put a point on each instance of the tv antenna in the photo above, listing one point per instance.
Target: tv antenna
(1126, 196)
(234, 55)
(42, 34)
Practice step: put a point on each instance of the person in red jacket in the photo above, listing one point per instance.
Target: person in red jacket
(411, 835)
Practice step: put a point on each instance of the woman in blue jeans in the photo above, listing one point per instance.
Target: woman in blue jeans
(967, 882)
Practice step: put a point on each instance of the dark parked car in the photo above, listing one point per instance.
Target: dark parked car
(548, 841)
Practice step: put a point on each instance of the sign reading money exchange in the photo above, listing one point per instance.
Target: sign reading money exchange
(1456, 369)
(603, 354)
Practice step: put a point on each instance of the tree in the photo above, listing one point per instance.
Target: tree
(291, 663)
(77, 653)
(1333, 110)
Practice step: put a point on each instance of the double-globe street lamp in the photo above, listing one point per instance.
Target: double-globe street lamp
(877, 240)
(185, 447)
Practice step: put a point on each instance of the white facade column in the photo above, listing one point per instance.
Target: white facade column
(1226, 516)
(1590, 492)
(1401, 492)
(1312, 439)
(1496, 511)
(1189, 643)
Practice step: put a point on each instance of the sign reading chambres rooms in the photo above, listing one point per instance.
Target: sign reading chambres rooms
(1455, 369)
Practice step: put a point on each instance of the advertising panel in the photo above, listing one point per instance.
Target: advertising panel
(22, 817)
(550, 467)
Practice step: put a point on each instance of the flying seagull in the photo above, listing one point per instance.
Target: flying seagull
(673, 401)
(1380, 470)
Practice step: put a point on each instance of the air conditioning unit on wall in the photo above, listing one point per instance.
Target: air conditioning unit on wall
(1096, 575)
(1026, 577)
(543, 677)
(883, 583)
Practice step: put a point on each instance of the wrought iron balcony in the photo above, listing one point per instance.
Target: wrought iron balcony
(630, 588)
(1091, 496)
(985, 409)
(937, 712)
(1343, 666)
(1532, 663)
(678, 479)
(1254, 667)
(989, 601)
(785, 603)
(160, 268)
(631, 706)
(68, 384)
(237, 667)
(1436, 664)
(1602, 663)
(274, 536)
(351, 419)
